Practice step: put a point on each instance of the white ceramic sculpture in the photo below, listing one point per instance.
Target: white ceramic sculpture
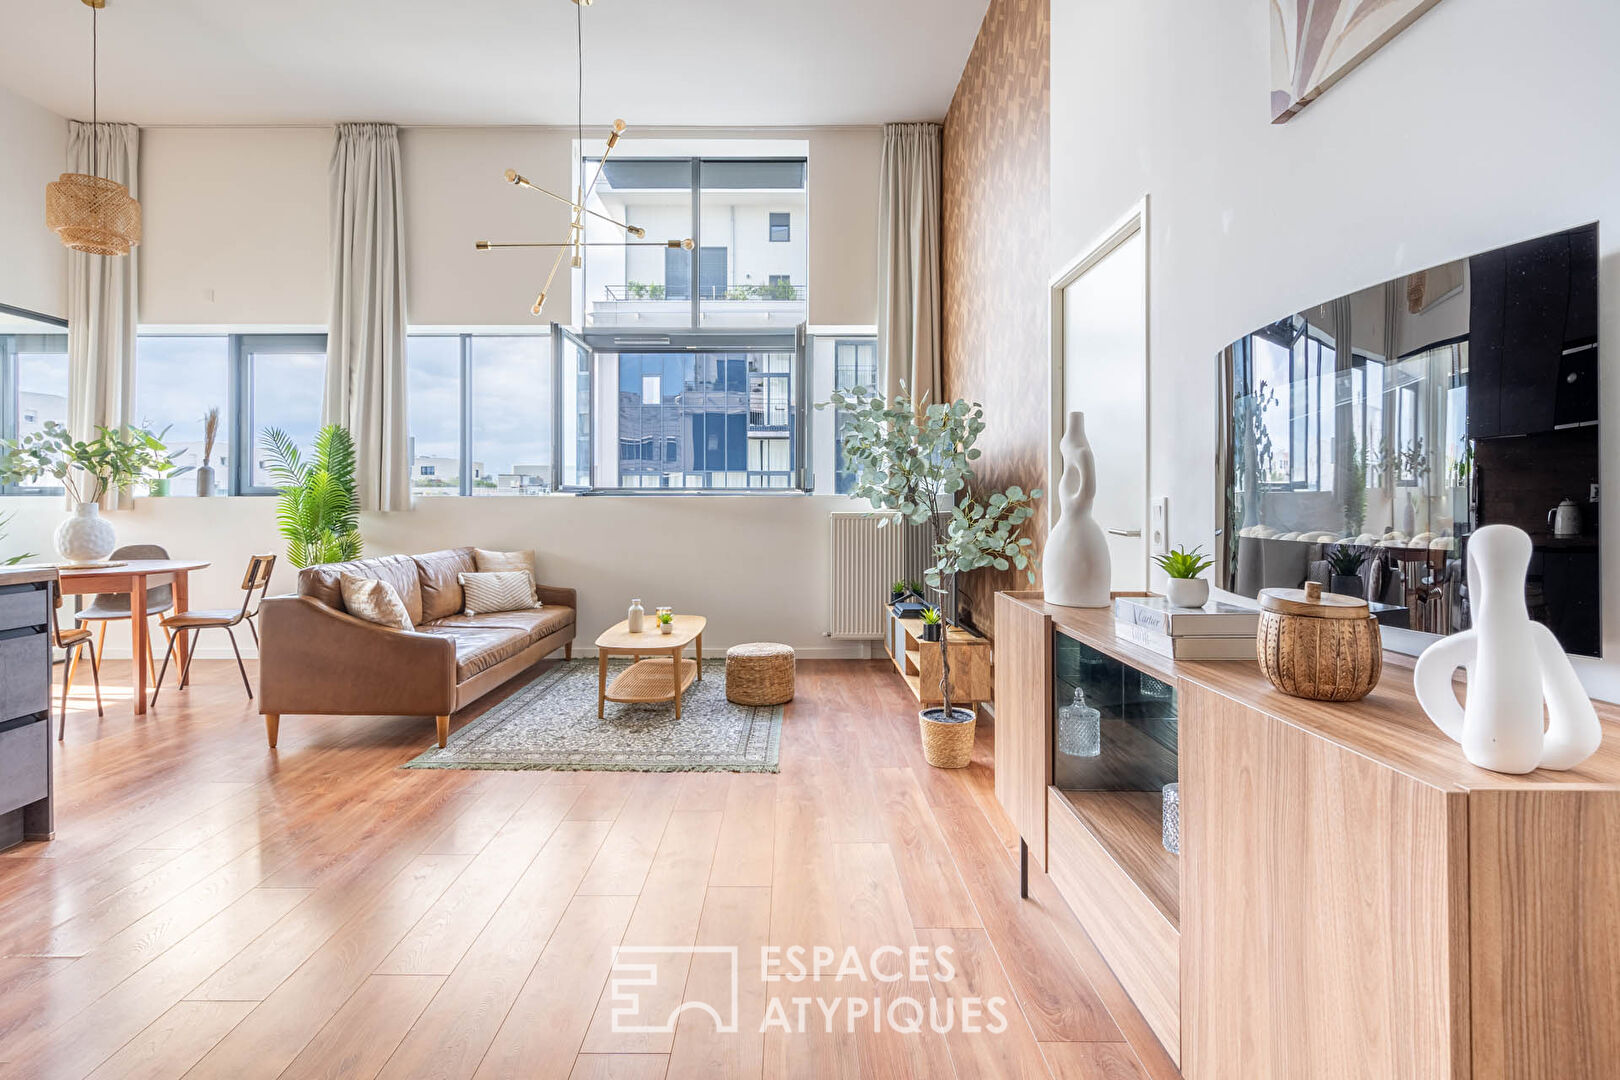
(1515, 666)
(1075, 563)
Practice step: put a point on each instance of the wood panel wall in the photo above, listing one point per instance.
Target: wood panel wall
(996, 207)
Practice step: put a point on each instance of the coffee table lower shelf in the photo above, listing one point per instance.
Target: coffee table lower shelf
(652, 680)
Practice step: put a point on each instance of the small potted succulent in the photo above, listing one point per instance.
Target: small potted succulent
(666, 622)
(1185, 587)
(1345, 563)
(931, 624)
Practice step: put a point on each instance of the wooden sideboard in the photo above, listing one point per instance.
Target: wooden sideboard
(1351, 898)
(26, 811)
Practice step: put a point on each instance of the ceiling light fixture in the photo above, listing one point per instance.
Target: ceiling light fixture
(88, 212)
(575, 243)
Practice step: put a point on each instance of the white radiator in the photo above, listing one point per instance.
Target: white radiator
(865, 561)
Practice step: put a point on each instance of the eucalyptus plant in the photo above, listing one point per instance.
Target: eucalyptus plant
(115, 460)
(317, 508)
(917, 459)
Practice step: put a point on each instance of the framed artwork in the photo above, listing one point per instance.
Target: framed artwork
(1315, 43)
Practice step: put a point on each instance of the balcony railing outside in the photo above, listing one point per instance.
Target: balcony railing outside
(638, 290)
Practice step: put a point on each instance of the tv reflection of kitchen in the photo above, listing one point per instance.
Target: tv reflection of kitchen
(1365, 439)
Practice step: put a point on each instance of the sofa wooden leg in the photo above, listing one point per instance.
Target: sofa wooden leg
(568, 651)
(272, 727)
(444, 729)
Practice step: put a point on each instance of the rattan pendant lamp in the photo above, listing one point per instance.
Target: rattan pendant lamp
(88, 212)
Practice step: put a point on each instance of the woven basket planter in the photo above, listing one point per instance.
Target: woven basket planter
(759, 673)
(947, 746)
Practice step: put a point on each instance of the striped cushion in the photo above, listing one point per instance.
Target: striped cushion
(505, 590)
(488, 562)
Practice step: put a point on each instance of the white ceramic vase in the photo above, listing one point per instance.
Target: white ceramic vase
(1188, 592)
(1515, 666)
(1075, 562)
(85, 536)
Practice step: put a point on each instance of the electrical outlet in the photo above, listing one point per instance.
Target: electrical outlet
(1160, 539)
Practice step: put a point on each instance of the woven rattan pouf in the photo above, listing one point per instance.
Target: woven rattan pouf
(759, 673)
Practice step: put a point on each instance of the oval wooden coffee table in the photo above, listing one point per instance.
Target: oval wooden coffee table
(663, 678)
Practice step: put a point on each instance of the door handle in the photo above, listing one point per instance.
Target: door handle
(1124, 532)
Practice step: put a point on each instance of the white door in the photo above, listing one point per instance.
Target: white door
(1101, 336)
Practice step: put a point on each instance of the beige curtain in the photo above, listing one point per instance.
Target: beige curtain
(908, 249)
(365, 343)
(101, 299)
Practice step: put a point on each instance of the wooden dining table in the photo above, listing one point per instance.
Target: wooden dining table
(136, 577)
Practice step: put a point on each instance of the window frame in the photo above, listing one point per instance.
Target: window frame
(11, 398)
(244, 434)
(618, 341)
(695, 324)
(464, 444)
(771, 226)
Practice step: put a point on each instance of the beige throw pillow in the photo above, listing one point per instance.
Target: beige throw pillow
(374, 601)
(494, 562)
(507, 590)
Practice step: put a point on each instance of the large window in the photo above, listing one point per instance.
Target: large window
(33, 381)
(854, 368)
(481, 413)
(257, 381)
(748, 264)
(710, 412)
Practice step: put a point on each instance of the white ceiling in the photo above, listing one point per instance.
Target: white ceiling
(653, 62)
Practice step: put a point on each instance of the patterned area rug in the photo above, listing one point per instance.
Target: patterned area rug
(551, 724)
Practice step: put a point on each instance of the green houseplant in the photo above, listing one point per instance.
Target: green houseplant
(931, 621)
(317, 509)
(115, 460)
(1186, 588)
(916, 459)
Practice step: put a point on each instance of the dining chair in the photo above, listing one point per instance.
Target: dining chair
(73, 642)
(107, 607)
(257, 579)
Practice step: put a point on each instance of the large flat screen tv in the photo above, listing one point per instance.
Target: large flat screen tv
(1363, 440)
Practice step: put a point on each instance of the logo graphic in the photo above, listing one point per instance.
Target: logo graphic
(638, 966)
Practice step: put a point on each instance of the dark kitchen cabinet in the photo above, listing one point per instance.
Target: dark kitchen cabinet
(1532, 352)
(26, 811)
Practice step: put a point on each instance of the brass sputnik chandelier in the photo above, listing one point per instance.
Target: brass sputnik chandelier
(88, 212)
(573, 247)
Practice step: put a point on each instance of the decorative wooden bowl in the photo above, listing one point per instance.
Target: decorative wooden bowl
(1316, 645)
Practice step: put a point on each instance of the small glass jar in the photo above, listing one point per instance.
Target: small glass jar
(1171, 829)
(1079, 728)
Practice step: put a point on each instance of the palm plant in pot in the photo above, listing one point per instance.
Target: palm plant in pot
(317, 508)
(115, 460)
(1186, 588)
(917, 459)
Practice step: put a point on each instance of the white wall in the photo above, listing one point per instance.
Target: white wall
(755, 566)
(33, 152)
(235, 226)
(1483, 124)
(843, 181)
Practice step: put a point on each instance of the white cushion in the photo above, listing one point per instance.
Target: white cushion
(374, 600)
(491, 562)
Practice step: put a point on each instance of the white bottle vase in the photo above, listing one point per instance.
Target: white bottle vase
(86, 536)
(636, 617)
(1515, 666)
(1075, 562)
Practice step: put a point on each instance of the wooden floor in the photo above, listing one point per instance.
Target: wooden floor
(210, 908)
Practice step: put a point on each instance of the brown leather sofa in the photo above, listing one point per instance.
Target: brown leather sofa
(315, 657)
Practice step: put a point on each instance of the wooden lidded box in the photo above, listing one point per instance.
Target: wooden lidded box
(1316, 645)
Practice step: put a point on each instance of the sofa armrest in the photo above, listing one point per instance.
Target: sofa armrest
(557, 595)
(316, 659)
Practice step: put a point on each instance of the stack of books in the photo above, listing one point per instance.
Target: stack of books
(1215, 631)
